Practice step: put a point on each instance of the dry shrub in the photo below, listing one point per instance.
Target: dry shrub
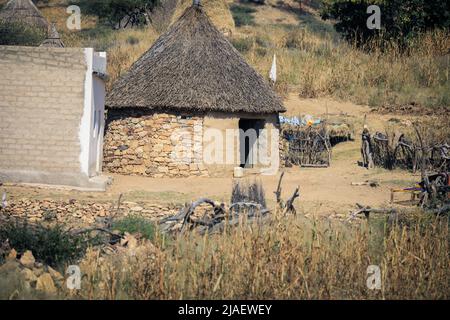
(408, 262)
(129, 46)
(295, 39)
(128, 274)
(281, 87)
(248, 191)
(320, 65)
(289, 258)
(435, 130)
(308, 87)
(123, 47)
(432, 132)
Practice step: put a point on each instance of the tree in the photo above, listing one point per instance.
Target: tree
(121, 13)
(20, 34)
(400, 19)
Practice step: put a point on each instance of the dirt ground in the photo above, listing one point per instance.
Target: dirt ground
(322, 190)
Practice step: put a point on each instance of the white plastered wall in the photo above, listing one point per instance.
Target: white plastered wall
(94, 91)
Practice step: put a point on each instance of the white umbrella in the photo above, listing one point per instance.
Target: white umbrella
(273, 70)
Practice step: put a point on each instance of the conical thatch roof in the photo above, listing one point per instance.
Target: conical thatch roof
(53, 39)
(193, 67)
(217, 10)
(23, 11)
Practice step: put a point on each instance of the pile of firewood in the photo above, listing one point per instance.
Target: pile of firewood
(435, 193)
(390, 152)
(434, 198)
(215, 220)
(248, 205)
(307, 146)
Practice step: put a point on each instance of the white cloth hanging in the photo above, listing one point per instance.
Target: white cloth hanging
(4, 203)
(273, 70)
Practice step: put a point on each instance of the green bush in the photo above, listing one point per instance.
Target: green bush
(132, 40)
(136, 224)
(263, 41)
(401, 20)
(242, 15)
(50, 245)
(18, 34)
(262, 52)
(242, 45)
(295, 39)
(112, 12)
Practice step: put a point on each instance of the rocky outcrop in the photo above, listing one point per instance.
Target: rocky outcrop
(33, 275)
(42, 281)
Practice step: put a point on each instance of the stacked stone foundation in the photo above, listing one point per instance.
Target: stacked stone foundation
(153, 144)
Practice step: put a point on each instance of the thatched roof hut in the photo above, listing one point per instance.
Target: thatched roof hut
(53, 39)
(23, 11)
(194, 67)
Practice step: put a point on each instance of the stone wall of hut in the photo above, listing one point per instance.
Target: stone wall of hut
(147, 143)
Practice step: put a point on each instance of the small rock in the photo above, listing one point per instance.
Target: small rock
(27, 286)
(45, 283)
(9, 266)
(132, 242)
(55, 274)
(129, 241)
(28, 275)
(38, 271)
(102, 213)
(123, 241)
(137, 209)
(27, 259)
(12, 255)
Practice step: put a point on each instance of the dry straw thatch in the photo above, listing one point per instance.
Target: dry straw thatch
(23, 11)
(53, 39)
(193, 67)
(217, 10)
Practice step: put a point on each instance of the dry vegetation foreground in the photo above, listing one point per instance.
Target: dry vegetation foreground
(285, 258)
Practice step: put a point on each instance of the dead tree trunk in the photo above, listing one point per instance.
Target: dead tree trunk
(366, 149)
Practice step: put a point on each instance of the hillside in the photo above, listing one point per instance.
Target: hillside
(315, 62)
(312, 59)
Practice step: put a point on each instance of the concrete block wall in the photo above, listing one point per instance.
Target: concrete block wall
(41, 107)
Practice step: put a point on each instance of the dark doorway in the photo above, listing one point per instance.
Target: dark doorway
(248, 140)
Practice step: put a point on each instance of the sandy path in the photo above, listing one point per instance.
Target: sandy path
(325, 190)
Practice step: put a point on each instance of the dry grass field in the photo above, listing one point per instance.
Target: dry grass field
(296, 259)
(312, 60)
(287, 258)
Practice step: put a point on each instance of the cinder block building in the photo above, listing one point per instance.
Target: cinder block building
(52, 116)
